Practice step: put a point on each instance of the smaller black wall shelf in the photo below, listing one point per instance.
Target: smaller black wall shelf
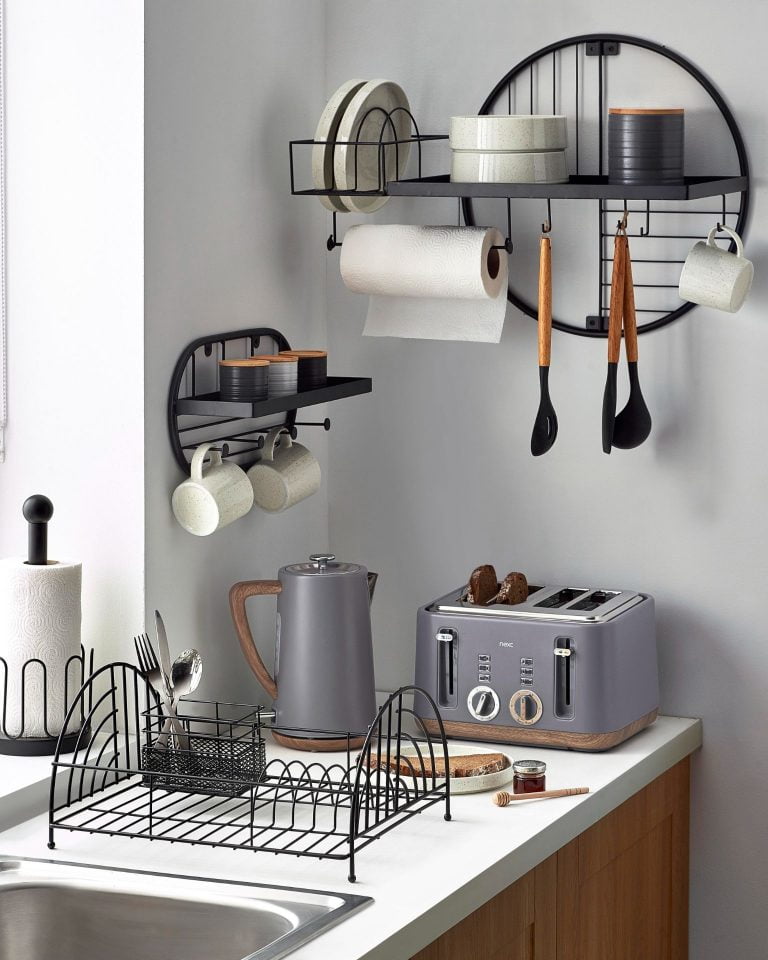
(197, 414)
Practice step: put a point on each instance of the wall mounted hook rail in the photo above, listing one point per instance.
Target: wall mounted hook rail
(325, 424)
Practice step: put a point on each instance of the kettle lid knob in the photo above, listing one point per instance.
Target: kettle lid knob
(321, 560)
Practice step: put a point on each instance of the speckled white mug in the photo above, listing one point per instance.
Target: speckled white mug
(714, 277)
(206, 502)
(284, 475)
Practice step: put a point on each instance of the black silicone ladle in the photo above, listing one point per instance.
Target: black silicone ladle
(614, 338)
(545, 426)
(633, 425)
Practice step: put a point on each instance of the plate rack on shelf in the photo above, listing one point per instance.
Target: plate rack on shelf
(574, 76)
(223, 790)
(197, 414)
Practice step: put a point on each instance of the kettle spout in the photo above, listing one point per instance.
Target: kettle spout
(372, 578)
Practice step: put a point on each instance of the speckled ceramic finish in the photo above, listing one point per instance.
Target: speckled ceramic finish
(716, 278)
(285, 474)
(211, 499)
(39, 619)
(512, 132)
(468, 166)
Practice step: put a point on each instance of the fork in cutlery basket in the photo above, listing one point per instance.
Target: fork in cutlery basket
(149, 666)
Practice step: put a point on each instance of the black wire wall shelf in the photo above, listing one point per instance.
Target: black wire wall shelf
(197, 414)
(572, 77)
(114, 784)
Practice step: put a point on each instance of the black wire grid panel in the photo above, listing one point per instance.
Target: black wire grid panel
(327, 810)
(34, 704)
(527, 82)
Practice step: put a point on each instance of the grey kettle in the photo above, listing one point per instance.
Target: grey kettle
(323, 686)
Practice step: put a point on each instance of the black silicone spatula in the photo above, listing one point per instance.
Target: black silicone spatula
(545, 426)
(614, 338)
(633, 425)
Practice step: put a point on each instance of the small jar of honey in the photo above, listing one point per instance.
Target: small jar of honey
(530, 776)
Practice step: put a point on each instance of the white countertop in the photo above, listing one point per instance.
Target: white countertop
(425, 876)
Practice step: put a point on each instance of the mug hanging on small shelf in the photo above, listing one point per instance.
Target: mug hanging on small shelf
(286, 474)
(207, 501)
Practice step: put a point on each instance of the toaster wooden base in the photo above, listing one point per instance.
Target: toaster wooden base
(317, 744)
(590, 742)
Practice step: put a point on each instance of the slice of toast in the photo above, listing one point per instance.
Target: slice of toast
(468, 765)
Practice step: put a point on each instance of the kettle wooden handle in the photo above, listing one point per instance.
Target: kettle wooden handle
(238, 594)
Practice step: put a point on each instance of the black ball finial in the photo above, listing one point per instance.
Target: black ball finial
(37, 509)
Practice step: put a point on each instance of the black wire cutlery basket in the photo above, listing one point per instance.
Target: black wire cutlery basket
(122, 779)
(223, 753)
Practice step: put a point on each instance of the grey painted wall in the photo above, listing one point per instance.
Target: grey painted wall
(227, 247)
(432, 474)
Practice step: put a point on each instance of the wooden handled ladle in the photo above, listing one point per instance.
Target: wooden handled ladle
(545, 426)
(633, 425)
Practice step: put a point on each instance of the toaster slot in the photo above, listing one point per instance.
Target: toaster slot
(564, 662)
(447, 666)
(596, 599)
(560, 598)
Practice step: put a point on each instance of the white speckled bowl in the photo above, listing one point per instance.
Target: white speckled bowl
(470, 166)
(518, 133)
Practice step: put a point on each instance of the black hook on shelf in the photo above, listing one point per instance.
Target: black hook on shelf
(646, 230)
(724, 214)
(507, 245)
(546, 227)
(622, 224)
(325, 424)
(331, 243)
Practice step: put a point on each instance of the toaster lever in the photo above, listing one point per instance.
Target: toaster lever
(562, 652)
(447, 661)
(563, 678)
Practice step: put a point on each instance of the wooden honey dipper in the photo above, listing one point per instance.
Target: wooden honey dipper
(502, 798)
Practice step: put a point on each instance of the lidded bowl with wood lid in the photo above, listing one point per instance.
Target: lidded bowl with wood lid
(313, 367)
(245, 378)
(646, 145)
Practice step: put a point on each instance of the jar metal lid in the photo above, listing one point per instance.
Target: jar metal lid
(529, 767)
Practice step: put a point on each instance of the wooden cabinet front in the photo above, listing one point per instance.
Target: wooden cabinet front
(619, 891)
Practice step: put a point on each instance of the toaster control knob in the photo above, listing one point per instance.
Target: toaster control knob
(483, 703)
(526, 707)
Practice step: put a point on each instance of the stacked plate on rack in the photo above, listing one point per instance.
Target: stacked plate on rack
(362, 141)
(509, 149)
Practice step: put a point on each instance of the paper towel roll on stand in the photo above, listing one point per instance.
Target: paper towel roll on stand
(42, 663)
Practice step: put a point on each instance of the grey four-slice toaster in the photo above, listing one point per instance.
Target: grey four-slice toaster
(571, 667)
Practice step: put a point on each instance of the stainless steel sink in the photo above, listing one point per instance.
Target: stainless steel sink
(76, 912)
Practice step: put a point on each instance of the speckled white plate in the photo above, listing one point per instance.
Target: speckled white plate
(327, 134)
(357, 168)
(488, 781)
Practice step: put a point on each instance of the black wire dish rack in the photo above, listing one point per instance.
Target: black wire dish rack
(220, 790)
